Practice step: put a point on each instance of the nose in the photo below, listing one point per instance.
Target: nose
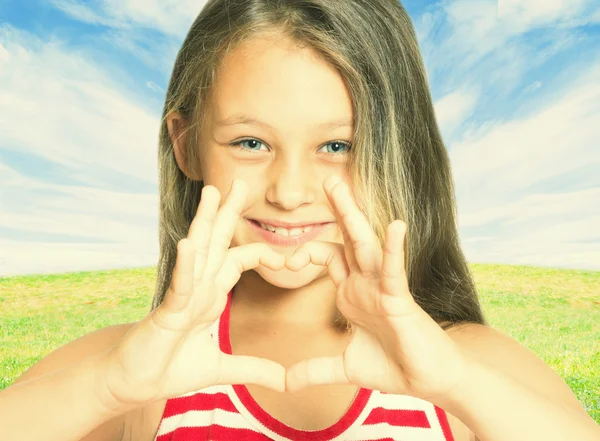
(292, 183)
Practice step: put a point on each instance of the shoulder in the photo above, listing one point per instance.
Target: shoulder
(495, 348)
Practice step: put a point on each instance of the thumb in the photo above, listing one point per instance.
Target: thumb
(316, 371)
(244, 369)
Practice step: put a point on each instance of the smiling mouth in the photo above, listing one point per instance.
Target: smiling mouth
(288, 236)
(286, 232)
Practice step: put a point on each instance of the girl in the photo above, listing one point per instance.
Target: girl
(325, 296)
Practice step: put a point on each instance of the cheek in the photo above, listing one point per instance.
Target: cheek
(222, 179)
(217, 170)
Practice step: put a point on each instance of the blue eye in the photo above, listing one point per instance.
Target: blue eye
(252, 145)
(338, 146)
(250, 141)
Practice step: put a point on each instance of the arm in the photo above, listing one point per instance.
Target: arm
(511, 395)
(63, 405)
(58, 398)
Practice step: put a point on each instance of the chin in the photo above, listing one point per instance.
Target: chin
(288, 279)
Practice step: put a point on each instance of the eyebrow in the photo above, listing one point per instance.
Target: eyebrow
(240, 118)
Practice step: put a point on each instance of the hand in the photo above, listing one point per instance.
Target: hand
(395, 346)
(171, 352)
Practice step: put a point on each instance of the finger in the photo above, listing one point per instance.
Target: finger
(328, 254)
(224, 226)
(244, 369)
(201, 227)
(394, 268)
(244, 258)
(181, 288)
(316, 371)
(348, 249)
(365, 244)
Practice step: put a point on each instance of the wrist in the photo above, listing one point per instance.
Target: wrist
(97, 370)
(456, 400)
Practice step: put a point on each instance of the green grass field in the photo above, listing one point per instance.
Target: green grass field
(555, 313)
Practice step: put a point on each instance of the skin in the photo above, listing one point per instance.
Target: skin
(292, 90)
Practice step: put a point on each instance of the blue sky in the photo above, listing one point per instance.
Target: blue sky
(516, 85)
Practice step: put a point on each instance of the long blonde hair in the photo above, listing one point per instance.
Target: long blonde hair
(398, 164)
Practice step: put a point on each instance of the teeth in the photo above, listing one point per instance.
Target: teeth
(294, 232)
(282, 231)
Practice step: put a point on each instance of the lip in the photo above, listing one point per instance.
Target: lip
(288, 225)
(276, 239)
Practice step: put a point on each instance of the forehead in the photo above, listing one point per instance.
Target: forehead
(275, 81)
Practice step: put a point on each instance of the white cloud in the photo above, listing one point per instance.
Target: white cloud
(81, 12)
(563, 239)
(498, 168)
(539, 251)
(4, 55)
(150, 30)
(532, 207)
(471, 28)
(157, 54)
(556, 230)
(524, 14)
(172, 17)
(534, 86)
(476, 16)
(19, 258)
(516, 154)
(58, 105)
(465, 41)
(75, 210)
(454, 108)
(125, 222)
(154, 87)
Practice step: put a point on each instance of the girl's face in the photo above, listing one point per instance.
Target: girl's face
(300, 135)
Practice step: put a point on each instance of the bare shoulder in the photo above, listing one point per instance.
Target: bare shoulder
(460, 432)
(507, 355)
(495, 348)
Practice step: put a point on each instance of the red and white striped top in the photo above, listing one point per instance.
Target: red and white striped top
(229, 413)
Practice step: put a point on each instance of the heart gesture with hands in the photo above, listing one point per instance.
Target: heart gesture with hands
(395, 346)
